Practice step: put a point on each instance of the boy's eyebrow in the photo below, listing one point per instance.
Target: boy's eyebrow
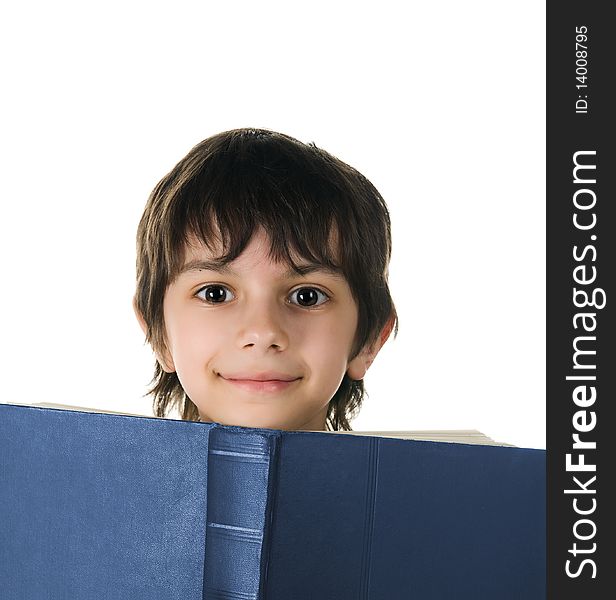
(225, 269)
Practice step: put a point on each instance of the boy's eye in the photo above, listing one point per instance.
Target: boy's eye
(308, 296)
(215, 294)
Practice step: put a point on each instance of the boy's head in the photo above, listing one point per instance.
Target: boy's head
(262, 283)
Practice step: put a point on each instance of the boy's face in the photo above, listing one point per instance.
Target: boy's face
(257, 345)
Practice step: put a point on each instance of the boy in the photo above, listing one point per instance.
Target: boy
(262, 269)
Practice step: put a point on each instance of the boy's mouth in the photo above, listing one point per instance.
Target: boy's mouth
(268, 381)
(262, 376)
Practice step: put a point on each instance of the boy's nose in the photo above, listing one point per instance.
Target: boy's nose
(262, 328)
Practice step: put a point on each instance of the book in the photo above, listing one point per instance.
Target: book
(115, 506)
(466, 436)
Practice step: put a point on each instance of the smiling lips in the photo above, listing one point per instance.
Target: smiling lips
(270, 381)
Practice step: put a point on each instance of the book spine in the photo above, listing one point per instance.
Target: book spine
(240, 474)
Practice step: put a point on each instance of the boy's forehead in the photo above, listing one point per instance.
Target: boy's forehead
(197, 252)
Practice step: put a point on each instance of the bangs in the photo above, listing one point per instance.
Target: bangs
(302, 209)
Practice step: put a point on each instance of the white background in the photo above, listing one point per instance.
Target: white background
(440, 105)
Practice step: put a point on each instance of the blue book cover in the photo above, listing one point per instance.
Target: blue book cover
(103, 506)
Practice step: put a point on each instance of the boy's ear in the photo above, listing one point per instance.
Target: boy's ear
(165, 361)
(359, 365)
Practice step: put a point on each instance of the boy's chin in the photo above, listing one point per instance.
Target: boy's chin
(259, 420)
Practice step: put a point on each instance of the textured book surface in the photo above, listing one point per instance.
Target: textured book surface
(111, 506)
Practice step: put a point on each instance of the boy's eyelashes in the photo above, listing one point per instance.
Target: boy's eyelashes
(305, 296)
(215, 294)
(309, 296)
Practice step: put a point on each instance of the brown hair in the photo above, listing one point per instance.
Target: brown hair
(232, 183)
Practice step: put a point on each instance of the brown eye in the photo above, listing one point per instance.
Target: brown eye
(215, 294)
(308, 297)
